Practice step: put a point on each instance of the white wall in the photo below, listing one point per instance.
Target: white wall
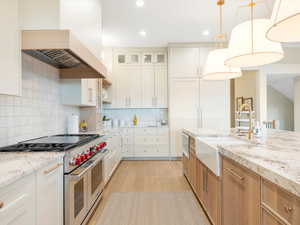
(297, 104)
(280, 108)
(39, 111)
(83, 17)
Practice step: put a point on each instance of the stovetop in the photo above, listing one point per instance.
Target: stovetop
(57, 143)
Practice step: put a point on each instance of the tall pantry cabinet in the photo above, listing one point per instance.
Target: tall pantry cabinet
(194, 103)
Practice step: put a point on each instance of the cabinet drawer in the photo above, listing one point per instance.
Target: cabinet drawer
(280, 202)
(235, 171)
(268, 219)
(18, 201)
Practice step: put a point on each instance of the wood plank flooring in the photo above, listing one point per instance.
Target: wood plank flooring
(134, 177)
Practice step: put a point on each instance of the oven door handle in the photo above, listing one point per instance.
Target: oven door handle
(89, 167)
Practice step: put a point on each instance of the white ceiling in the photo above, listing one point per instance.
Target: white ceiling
(168, 21)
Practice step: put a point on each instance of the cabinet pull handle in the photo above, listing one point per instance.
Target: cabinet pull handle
(90, 95)
(53, 168)
(1, 205)
(204, 181)
(288, 209)
(235, 174)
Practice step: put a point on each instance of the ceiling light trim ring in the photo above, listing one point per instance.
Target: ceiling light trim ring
(278, 23)
(248, 54)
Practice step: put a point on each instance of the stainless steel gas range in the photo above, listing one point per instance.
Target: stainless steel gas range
(83, 170)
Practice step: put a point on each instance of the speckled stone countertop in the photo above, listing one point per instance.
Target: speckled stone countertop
(275, 156)
(15, 166)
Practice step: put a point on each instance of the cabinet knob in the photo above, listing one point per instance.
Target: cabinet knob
(1, 205)
(288, 209)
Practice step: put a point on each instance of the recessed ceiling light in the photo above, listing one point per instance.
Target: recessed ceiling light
(143, 33)
(140, 3)
(205, 32)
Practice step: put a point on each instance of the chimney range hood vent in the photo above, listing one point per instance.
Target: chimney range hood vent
(62, 50)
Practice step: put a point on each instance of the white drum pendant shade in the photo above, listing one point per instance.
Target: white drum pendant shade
(248, 50)
(215, 68)
(285, 21)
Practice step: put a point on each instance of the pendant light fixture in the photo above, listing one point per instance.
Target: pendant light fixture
(285, 21)
(248, 45)
(215, 68)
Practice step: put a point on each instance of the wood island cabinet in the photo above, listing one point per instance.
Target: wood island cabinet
(200, 174)
(241, 195)
(212, 197)
(279, 207)
(206, 186)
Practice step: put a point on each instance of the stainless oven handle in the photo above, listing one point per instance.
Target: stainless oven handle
(78, 176)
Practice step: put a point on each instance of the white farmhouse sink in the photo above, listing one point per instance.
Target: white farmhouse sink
(208, 153)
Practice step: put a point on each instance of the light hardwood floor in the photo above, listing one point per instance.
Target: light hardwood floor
(143, 176)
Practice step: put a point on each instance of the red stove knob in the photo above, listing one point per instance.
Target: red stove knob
(78, 161)
(82, 157)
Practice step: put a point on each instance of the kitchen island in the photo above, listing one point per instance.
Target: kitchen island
(258, 179)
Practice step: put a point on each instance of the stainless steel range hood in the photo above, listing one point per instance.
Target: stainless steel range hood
(62, 50)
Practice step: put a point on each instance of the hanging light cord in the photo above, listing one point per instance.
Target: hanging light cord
(220, 3)
(252, 4)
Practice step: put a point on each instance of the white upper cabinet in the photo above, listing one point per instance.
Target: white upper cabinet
(82, 17)
(187, 62)
(161, 87)
(78, 92)
(148, 84)
(183, 62)
(129, 59)
(10, 45)
(140, 79)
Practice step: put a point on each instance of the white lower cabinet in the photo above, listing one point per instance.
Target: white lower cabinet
(146, 142)
(49, 191)
(18, 202)
(36, 199)
(114, 156)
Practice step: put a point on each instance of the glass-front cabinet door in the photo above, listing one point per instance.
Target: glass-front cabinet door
(147, 58)
(121, 59)
(133, 59)
(160, 58)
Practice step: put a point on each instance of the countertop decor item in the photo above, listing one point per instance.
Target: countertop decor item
(135, 120)
(83, 126)
(215, 68)
(73, 124)
(285, 21)
(248, 45)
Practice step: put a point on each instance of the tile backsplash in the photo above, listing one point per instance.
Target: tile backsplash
(38, 112)
(145, 116)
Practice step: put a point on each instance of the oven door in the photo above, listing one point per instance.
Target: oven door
(76, 196)
(95, 181)
(82, 188)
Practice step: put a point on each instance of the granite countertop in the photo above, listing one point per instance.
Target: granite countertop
(275, 157)
(15, 166)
